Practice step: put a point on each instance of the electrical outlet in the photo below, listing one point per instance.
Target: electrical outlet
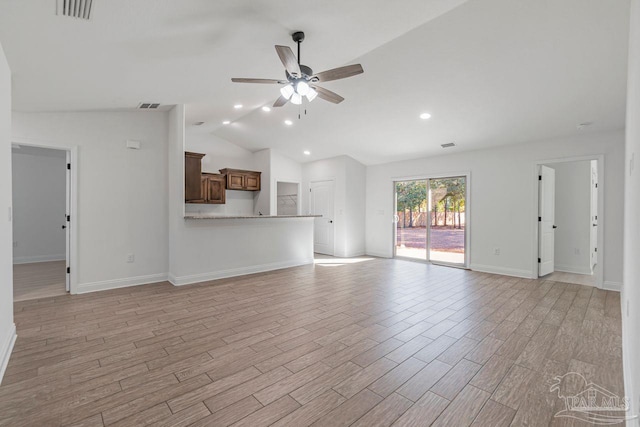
(496, 251)
(130, 258)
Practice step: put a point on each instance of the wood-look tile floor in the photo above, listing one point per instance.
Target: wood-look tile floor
(39, 280)
(372, 343)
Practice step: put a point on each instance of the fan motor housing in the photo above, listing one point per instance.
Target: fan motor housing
(307, 72)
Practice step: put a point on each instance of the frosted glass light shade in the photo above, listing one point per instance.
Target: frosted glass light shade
(311, 95)
(296, 99)
(302, 87)
(287, 91)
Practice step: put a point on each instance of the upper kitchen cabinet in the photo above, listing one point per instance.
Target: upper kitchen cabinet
(244, 180)
(192, 177)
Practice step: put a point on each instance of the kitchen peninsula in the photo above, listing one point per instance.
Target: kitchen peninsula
(228, 236)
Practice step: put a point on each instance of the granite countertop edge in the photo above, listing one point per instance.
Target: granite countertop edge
(196, 216)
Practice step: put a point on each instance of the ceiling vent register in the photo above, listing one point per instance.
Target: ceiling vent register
(148, 106)
(448, 145)
(75, 8)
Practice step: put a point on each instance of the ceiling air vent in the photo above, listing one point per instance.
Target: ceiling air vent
(148, 106)
(75, 8)
(447, 145)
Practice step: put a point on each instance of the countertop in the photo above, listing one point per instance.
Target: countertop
(197, 216)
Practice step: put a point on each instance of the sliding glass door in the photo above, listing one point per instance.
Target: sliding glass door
(411, 219)
(431, 220)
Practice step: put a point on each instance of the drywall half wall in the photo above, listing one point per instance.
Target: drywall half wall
(631, 290)
(39, 204)
(503, 196)
(349, 178)
(7, 327)
(573, 216)
(122, 193)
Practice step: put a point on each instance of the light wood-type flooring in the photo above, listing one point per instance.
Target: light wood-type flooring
(373, 343)
(39, 280)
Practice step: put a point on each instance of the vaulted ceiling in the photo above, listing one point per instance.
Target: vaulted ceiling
(490, 72)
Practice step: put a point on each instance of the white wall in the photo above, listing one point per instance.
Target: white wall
(631, 290)
(202, 250)
(39, 205)
(349, 196)
(503, 193)
(573, 217)
(122, 193)
(7, 327)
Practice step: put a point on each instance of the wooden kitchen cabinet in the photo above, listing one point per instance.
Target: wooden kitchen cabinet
(244, 180)
(192, 177)
(213, 188)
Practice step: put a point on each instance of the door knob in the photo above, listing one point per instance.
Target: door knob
(595, 225)
(64, 226)
(330, 221)
(555, 226)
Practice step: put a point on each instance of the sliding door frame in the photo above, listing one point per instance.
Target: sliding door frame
(467, 233)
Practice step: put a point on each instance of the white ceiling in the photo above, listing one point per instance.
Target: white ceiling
(491, 72)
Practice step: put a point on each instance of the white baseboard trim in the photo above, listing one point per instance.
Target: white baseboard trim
(612, 286)
(572, 269)
(233, 272)
(39, 258)
(6, 349)
(348, 255)
(104, 285)
(525, 274)
(378, 254)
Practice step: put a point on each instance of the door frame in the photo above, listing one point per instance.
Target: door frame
(534, 213)
(333, 183)
(467, 215)
(72, 203)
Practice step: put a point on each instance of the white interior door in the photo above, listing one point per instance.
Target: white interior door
(594, 214)
(546, 220)
(67, 224)
(321, 203)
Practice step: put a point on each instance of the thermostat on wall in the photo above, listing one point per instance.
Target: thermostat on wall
(134, 145)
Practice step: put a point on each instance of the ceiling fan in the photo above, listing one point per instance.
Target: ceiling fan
(300, 81)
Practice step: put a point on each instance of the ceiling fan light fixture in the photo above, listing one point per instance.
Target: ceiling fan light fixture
(311, 94)
(287, 91)
(296, 99)
(302, 87)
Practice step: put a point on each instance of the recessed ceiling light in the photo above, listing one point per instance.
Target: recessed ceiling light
(425, 116)
(307, 152)
(266, 109)
(237, 106)
(288, 122)
(226, 122)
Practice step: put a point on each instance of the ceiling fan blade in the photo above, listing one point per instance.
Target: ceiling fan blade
(280, 101)
(263, 81)
(289, 60)
(339, 73)
(327, 95)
